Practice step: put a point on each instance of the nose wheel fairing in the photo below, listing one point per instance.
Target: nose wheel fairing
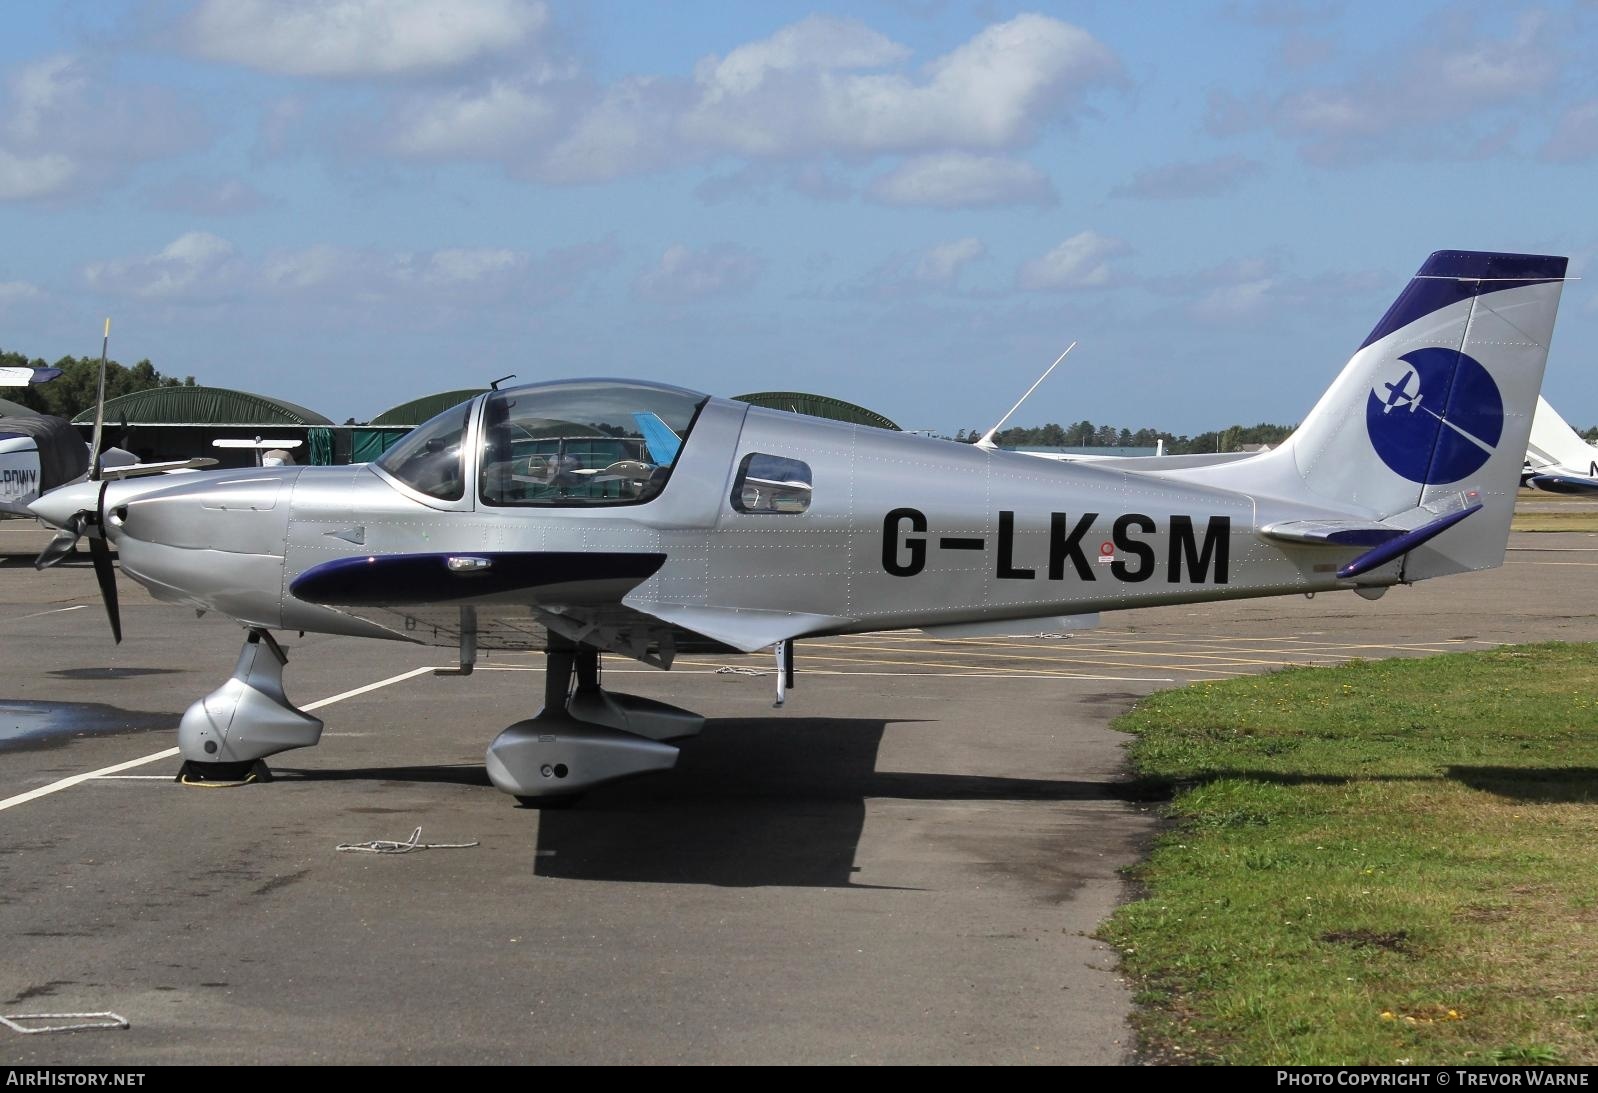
(249, 717)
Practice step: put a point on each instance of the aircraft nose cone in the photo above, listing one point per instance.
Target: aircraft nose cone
(59, 505)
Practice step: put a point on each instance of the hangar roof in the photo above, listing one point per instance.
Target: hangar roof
(202, 406)
(817, 406)
(422, 409)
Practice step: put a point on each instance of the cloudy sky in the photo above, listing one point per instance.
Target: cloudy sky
(913, 205)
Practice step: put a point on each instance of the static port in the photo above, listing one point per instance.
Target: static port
(210, 747)
(560, 770)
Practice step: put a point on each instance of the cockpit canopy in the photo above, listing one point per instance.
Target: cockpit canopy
(585, 442)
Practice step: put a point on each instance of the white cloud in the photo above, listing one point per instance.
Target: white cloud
(814, 43)
(1575, 136)
(64, 128)
(203, 196)
(14, 292)
(459, 266)
(684, 275)
(991, 92)
(356, 38)
(952, 180)
(472, 124)
(1229, 303)
(942, 264)
(1205, 178)
(1082, 261)
(308, 268)
(194, 265)
(1423, 97)
(818, 88)
(630, 129)
(199, 267)
(23, 177)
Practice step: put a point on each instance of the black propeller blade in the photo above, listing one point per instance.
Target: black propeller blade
(105, 573)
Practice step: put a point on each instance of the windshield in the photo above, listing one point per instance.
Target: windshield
(429, 458)
(589, 443)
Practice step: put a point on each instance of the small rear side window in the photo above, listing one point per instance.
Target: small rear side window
(771, 483)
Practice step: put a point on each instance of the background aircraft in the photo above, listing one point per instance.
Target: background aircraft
(743, 528)
(1557, 459)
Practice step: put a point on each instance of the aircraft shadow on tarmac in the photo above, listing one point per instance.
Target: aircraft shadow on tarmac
(778, 802)
(751, 803)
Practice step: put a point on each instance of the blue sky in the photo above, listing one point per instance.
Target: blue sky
(911, 205)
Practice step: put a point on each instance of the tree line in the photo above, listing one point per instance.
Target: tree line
(74, 390)
(1085, 434)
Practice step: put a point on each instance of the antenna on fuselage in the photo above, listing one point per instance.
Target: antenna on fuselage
(502, 379)
(987, 437)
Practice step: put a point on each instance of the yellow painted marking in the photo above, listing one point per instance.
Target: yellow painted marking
(964, 646)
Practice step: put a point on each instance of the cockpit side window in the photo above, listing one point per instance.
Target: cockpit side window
(429, 459)
(594, 443)
(771, 483)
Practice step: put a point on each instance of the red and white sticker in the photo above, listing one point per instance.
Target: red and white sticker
(1106, 552)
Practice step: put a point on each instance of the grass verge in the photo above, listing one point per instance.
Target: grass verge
(1379, 862)
(1554, 521)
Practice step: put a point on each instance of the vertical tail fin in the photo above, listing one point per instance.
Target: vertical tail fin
(1434, 410)
(1554, 444)
(1431, 416)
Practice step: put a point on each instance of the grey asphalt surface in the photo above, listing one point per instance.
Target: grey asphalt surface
(904, 865)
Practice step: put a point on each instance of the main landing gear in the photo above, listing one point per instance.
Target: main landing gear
(584, 737)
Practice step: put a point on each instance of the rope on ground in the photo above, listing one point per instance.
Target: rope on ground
(389, 846)
(729, 670)
(86, 1022)
(206, 783)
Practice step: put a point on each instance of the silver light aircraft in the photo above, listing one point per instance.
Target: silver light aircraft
(610, 516)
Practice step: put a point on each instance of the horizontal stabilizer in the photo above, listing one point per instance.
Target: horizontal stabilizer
(1342, 533)
(1403, 544)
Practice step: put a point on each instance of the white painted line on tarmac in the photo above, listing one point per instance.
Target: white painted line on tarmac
(167, 753)
(52, 611)
(77, 779)
(379, 685)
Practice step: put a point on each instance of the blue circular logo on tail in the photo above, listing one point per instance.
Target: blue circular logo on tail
(1434, 415)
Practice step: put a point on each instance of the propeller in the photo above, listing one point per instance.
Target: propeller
(91, 522)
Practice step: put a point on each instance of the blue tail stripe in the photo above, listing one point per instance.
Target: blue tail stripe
(1448, 277)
